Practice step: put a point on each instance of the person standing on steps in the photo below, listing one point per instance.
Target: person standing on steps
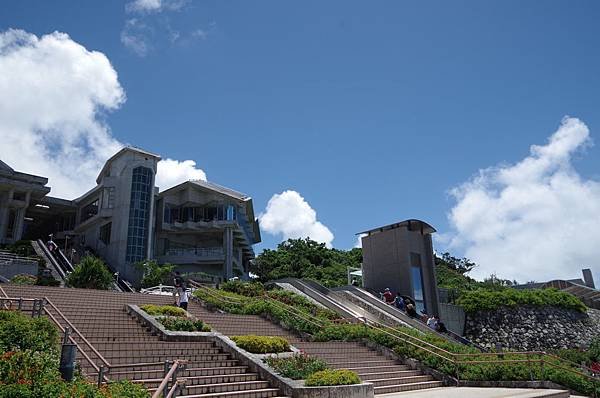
(184, 297)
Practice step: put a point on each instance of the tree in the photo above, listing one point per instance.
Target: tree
(306, 258)
(460, 265)
(155, 274)
(90, 273)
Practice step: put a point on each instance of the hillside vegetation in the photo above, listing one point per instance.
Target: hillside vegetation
(305, 258)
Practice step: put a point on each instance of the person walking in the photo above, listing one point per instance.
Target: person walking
(184, 297)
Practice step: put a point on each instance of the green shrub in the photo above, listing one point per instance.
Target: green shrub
(297, 367)
(23, 279)
(184, 325)
(332, 377)
(20, 332)
(485, 300)
(90, 273)
(250, 289)
(168, 310)
(262, 344)
(155, 274)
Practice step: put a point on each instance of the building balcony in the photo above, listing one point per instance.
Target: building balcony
(193, 255)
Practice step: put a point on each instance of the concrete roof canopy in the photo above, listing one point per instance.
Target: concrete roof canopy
(412, 225)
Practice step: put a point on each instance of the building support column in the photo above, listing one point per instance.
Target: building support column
(228, 250)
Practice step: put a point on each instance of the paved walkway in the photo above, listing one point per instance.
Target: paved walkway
(478, 392)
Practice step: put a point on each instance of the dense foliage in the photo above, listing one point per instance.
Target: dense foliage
(296, 367)
(168, 310)
(332, 377)
(184, 324)
(250, 289)
(262, 344)
(305, 258)
(90, 273)
(579, 356)
(29, 364)
(154, 274)
(486, 300)
(19, 332)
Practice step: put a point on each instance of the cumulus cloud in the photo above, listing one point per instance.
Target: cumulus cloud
(172, 172)
(53, 92)
(358, 243)
(289, 215)
(534, 220)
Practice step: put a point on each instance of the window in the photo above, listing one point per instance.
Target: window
(19, 196)
(105, 233)
(139, 214)
(416, 273)
(12, 222)
(108, 198)
(89, 211)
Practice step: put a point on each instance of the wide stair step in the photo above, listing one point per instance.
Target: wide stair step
(262, 393)
(407, 387)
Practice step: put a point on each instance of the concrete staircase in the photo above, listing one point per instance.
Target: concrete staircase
(386, 374)
(99, 316)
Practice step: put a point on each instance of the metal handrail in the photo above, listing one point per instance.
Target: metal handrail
(74, 329)
(166, 379)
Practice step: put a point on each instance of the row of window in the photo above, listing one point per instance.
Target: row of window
(195, 214)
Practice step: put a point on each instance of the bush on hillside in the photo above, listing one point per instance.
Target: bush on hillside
(332, 377)
(296, 367)
(485, 300)
(262, 344)
(90, 273)
(168, 310)
(20, 332)
(184, 325)
(306, 258)
(250, 289)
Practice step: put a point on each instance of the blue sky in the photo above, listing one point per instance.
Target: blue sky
(372, 111)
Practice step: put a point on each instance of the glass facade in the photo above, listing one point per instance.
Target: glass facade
(182, 214)
(416, 274)
(139, 214)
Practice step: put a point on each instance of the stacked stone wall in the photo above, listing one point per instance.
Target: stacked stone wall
(533, 328)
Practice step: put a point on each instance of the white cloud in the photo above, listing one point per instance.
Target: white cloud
(53, 92)
(358, 243)
(135, 36)
(148, 6)
(535, 220)
(172, 172)
(289, 215)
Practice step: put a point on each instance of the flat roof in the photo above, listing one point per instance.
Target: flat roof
(412, 224)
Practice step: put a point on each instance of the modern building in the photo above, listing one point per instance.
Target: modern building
(197, 225)
(400, 257)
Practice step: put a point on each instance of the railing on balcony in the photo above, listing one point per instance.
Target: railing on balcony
(196, 251)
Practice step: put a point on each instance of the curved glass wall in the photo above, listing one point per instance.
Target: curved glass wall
(139, 214)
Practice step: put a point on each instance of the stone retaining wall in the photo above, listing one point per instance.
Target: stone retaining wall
(533, 328)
